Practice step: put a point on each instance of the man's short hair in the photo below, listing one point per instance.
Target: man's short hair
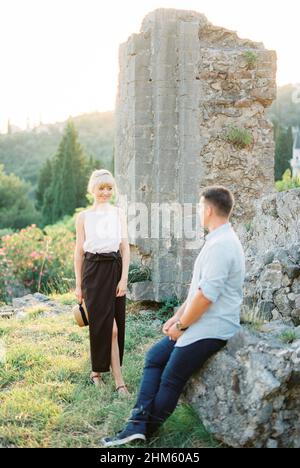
(221, 198)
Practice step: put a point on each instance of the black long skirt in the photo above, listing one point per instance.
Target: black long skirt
(100, 276)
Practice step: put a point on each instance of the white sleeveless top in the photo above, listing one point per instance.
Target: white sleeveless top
(102, 231)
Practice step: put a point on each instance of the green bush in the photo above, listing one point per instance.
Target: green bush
(166, 311)
(288, 336)
(251, 58)
(16, 209)
(239, 137)
(40, 260)
(288, 182)
(138, 272)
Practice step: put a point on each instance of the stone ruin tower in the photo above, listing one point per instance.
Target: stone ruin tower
(185, 87)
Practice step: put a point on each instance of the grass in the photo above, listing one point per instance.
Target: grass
(251, 318)
(65, 298)
(46, 399)
(288, 336)
(251, 58)
(239, 137)
(35, 311)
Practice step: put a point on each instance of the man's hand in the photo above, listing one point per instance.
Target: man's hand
(169, 324)
(174, 333)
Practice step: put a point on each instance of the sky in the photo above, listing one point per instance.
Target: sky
(60, 57)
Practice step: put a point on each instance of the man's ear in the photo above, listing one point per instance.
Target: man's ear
(209, 210)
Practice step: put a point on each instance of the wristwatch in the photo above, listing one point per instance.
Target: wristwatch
(179, 326)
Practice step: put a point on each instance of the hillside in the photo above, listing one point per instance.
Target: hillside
(285, 111)
(24, 153)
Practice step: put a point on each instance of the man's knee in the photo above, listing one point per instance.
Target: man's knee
(155, 356)
(152, 357)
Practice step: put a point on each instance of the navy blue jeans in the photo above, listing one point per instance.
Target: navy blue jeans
(167, 369)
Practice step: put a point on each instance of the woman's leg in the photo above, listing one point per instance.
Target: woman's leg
(115, 359)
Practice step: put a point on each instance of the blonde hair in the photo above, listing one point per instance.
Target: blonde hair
(102, 176)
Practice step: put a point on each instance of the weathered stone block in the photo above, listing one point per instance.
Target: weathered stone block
(183, 83)
(248, 394)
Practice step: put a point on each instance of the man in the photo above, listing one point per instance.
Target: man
(201, 327)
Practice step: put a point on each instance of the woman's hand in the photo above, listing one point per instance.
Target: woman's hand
(78, 294)
(121, 288)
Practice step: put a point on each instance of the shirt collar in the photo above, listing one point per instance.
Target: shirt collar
(219, 230)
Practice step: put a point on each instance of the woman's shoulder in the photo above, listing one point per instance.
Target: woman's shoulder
(82, 214)
(120, 210)
(121, 213)
(113, 209)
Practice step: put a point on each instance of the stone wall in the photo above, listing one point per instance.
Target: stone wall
(183, 84)
(272, 247)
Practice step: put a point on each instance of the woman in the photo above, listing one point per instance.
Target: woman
(101, 263)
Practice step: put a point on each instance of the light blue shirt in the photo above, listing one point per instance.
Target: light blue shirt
(219, 271)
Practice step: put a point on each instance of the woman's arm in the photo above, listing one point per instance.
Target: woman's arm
(124, 247)
(78, 254)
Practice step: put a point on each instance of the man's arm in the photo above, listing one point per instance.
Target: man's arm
(197, 307)
(214, 275)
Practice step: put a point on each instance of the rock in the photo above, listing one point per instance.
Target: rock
(21, 315)
(296, 344)
(296, 286)
(248, 394)
(272, 249)
(157, 323)
(271, 278)
(282, 303)
(41, 297)
(275, 314)
(142, 290)
(145, 311)
(21, 305)
(272, 444)
(275, 328)
(6, 312)
(288, 264)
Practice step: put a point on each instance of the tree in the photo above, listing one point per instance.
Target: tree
(70, 170)
(44, 181)
(283, 150)
(16, 210)
(8, 127)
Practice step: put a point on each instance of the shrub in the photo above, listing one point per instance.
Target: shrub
(138, 272)
(288, 336)
(239, 137)
(166, 311)
(6, 277)
(288, 182)
(38, 259)
(251, 58)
